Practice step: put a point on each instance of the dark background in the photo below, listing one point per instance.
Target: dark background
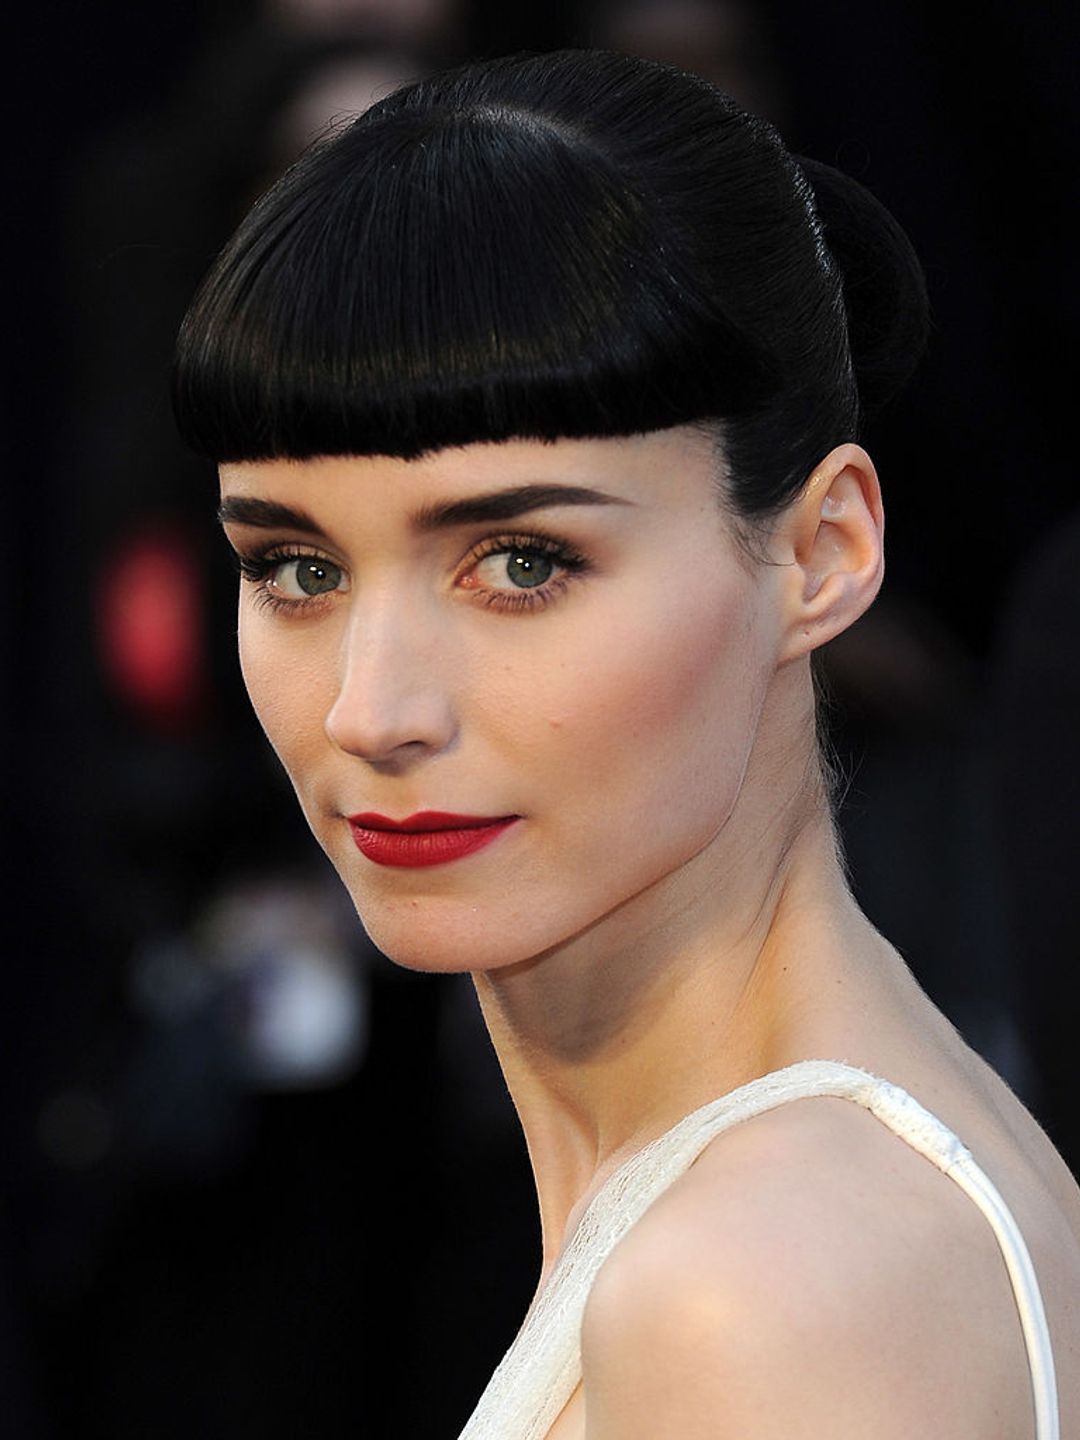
(219, 1218)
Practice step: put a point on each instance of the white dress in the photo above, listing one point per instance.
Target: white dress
(542, 1368)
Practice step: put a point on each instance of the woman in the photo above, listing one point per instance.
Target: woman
(536, 396)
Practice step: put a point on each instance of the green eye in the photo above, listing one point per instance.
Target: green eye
(522, 572)
(292, 579)
(526, 568)
(516, 569)
(316, 577)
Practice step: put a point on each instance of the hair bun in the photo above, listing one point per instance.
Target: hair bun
(888, 311)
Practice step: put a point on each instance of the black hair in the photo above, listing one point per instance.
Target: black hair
(567, 244)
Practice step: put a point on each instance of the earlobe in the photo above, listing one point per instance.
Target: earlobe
(832, 548)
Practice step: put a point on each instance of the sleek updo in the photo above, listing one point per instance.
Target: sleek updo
(557, 245)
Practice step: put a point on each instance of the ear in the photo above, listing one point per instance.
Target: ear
(829, 541)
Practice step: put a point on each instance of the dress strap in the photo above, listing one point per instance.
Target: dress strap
(542, 1368)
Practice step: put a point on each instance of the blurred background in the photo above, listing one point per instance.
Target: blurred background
(256, 1182)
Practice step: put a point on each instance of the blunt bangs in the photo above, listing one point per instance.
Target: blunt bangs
(452, 273)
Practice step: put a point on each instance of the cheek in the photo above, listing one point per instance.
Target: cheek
(286, 685)
(663, 712)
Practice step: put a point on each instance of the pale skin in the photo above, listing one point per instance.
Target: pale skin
(666, 919)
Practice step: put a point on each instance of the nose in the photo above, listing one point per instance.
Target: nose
(393, 705)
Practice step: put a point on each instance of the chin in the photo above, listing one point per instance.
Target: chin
(447, 921)
(441, 935)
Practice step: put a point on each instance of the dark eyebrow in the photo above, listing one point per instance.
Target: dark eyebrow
(507, 504)
(477, 509)
(265, 515)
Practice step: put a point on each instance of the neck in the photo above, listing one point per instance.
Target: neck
(691, 988)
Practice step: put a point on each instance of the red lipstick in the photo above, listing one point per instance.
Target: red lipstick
(430, 837)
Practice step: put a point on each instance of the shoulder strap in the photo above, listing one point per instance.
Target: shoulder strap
(542, 1368)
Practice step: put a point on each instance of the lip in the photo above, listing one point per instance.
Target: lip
(430, 837)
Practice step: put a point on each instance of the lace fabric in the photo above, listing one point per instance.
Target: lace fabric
(542, 1368)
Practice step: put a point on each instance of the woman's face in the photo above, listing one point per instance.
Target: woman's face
(549, 659)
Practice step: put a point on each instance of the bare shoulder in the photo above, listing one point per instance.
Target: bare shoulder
(811, 1275)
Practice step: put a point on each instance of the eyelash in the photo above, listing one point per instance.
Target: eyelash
(257, 569)
(570, 561)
